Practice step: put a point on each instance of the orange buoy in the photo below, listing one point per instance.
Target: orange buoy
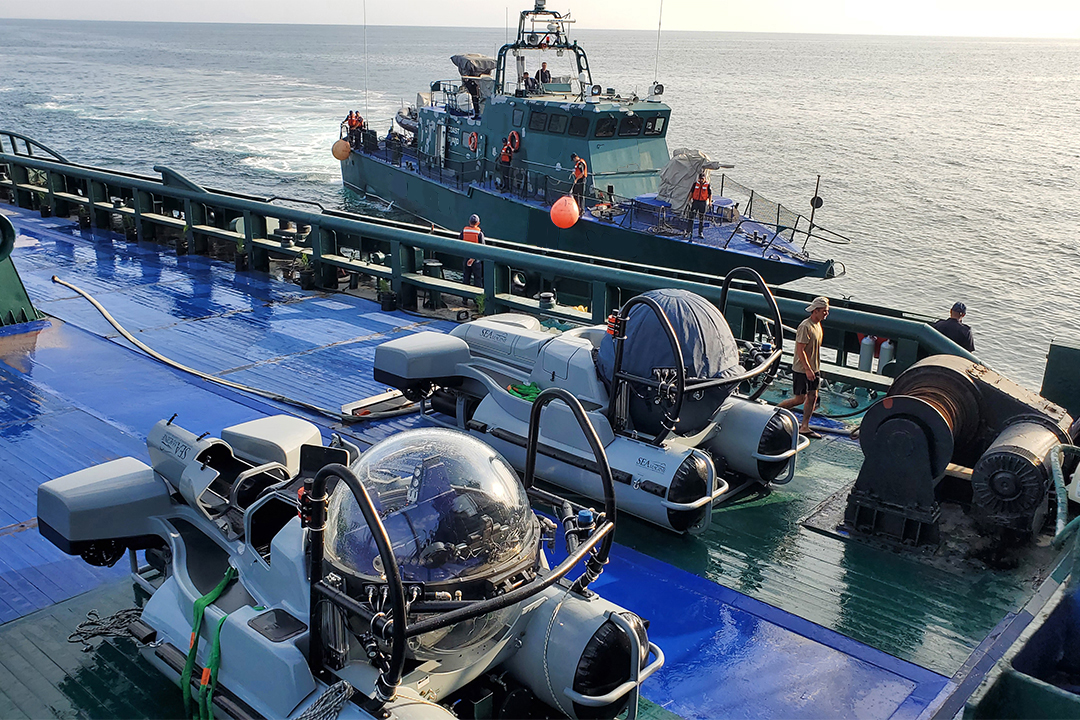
(564, 213)
(341, 149)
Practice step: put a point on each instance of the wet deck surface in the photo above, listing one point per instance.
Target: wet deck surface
(759, 617)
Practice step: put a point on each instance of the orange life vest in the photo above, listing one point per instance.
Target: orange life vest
(701, 191)
(471, 234)
(581, 170)
(507, 153)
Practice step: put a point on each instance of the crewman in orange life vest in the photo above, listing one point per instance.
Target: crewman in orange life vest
(505, 157)
(473, 270)
(581, 174)
(700, 197)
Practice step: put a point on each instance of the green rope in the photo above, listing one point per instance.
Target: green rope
(526, 392)
(196, 626)
(209, 677)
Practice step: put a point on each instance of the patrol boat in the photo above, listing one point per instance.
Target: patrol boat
(449, 162)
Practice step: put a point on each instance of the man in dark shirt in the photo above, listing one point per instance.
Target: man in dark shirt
(532, 85)
(953, 327)
(544, 75)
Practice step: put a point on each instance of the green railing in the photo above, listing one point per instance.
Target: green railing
(172, 209)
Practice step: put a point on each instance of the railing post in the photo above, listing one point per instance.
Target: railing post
(99, 192)
(54, 183)
(255, 228)
(194, 214)
(402, 260)
(601, 301)
(143, 202)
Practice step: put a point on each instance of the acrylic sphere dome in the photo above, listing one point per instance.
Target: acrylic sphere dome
(454, 509)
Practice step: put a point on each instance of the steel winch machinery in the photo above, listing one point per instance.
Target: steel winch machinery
(949, 410)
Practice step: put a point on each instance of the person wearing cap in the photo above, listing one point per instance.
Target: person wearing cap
(954, 328)
(806, 367)
(473, 270)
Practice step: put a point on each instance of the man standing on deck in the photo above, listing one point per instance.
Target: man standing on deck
(580, 175)
(473, 270)
(505, 157)
(700, 197)
(544, 76)
(954, 328)
(806, 367)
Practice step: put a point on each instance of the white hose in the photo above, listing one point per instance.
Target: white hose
(333, 414)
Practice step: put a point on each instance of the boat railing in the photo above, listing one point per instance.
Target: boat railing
(179, 215)
(792, 226)
(9, 143)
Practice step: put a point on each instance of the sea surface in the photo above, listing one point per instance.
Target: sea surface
(951, 163)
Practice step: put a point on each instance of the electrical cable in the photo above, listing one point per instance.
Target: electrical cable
(332, 414)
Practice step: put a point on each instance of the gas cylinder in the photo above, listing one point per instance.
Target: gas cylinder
(885, 356)
(866, 353)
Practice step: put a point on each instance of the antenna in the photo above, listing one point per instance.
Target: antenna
(659, 24)
(367, 107)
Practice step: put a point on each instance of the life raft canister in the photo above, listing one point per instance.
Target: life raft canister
(474, 141)
(514, 139)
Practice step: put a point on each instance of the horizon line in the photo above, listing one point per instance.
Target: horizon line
(587, 30)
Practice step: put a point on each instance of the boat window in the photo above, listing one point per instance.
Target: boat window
(630, 126)
(519, 117)
(579, 126)
(538, 121)
(655, 125)
(605, 127)
(557, 124)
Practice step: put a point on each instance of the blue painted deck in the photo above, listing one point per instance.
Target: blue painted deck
(73, 393)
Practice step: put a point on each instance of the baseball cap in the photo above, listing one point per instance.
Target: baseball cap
(960, 308)
(474, 219)
(818, 302)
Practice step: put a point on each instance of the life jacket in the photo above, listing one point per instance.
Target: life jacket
(507, 153)
(581, 170)
(471, 234)
(701, 191)
(353, 122)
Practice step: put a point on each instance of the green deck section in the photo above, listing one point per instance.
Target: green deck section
(43, 676)
(931, 610)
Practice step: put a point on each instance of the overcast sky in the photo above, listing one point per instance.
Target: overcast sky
(985, 18)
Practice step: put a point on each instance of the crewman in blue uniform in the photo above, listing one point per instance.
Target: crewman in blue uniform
(954, 328)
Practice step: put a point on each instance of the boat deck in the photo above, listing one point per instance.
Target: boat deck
(759, 617)
(746, 237)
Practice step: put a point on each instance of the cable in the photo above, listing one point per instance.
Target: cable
(332, 414)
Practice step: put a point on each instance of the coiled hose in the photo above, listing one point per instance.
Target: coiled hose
(332, 414)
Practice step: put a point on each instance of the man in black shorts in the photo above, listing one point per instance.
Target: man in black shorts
(806, 367)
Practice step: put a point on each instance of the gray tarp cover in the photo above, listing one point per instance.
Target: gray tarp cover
(678, 176)
(708, 346)
(473, 64)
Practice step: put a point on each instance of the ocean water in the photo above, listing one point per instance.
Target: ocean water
(951, 163)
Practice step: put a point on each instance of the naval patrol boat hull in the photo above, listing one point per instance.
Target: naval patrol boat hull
(530, 224)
